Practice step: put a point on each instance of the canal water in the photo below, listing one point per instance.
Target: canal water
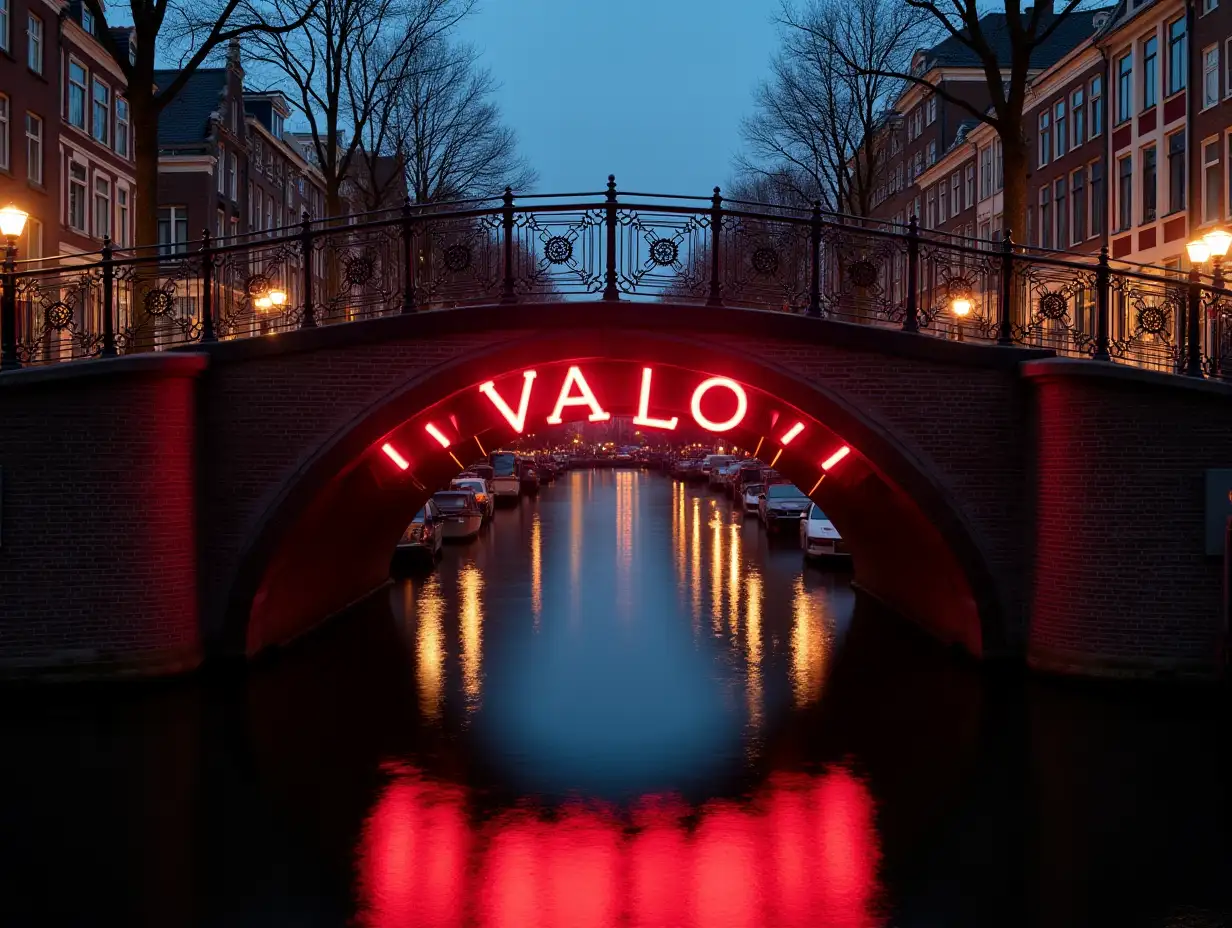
(622, 706)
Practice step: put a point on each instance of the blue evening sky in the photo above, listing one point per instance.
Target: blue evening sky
(652, 91)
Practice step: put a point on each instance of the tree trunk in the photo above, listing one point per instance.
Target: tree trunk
(140, 323)
(1014, 168)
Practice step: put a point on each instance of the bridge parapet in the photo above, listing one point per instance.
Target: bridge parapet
(611, 247)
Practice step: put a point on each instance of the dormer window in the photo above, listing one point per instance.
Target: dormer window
(87, 20)
(276, 123)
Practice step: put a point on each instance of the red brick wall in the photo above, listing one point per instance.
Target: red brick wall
(97, 555)
(1122, 583)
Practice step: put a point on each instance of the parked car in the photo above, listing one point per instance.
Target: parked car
(782, 504)
(819, 537)
(752, 492)
(460, 512)
(479, 487)
(483, 471)
(748, 472)
(721, 475)
(423, 538)
(529, 477)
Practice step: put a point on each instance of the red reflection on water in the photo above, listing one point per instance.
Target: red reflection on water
(804, 851)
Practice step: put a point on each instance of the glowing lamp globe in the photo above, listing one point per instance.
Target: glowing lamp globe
(277, 297)
(263, 303)
(1199, 252)
(12, 221)
(961, 306)
(1218, 241)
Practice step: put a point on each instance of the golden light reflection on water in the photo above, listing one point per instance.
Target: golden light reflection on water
(429, 607)
(716, 570)
(576, 527)
(695, 563)
(470, 597)
(536, 569)
(733, 579)
(625, 503)
(752, 642)
(810, 644)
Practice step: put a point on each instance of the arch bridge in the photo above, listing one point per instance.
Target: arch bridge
(246, 427)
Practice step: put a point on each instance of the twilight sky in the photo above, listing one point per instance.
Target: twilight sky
(652, 91)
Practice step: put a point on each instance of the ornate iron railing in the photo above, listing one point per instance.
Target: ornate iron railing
(605, 247)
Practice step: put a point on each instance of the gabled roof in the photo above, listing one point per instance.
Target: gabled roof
(186, 119)
(1070, 32)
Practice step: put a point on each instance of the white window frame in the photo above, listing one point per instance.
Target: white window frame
(943, 202)
(105, 138)
(1095, 118)
(1060, 129)
(87, 20)
(956, 200)
(1202, 146)
(233, 173)
(34, 43)
(932, 110)
(176, 215)
(122, 216)
(1209, 5)
(6, 24)
(969, 184)
(932, 153)
(82, 88)
(122, 129)
(6, 125)
(1210, 76)
(107, 199)
(220, 161)
(34, 141)
(1045, 137)
(72, 181)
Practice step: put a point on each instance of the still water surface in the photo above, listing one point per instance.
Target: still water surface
(621, 706)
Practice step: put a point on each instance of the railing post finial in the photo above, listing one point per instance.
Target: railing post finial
(109, 342)
(309, 320)
(911, 313)
(610, 289)
(1005, 327)
(716, 234)
(814, 307)
(508, 294)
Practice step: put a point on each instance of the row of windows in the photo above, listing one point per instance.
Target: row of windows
(1148, 188)
(34, 141)
(1070, 209)
(89, 210)
(1069, 123)
(81, 88)
(1147, 83)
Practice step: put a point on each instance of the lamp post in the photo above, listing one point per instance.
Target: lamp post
(12, 224)
(1212, 247)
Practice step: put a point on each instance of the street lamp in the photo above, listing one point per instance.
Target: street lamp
(12, 224)
(263, 303)
(277, 297)
(1213, 247)
(961, 304)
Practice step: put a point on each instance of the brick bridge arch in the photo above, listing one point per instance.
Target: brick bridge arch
(918, 520)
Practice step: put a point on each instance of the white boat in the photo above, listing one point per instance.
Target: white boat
(460, 512)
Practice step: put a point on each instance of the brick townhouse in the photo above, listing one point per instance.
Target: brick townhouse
(65, 138)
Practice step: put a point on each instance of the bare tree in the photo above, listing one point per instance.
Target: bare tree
(816, 130)
(199, 28)
(345, 62)
(449, 128)
(1005, 50)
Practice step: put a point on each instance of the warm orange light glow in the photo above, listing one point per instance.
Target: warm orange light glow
(817, 484)
(742, 404)
(833, 459)
(792, 433)
(585, 397)
(774, 460)
(757, 450)
(461, 466)
(394, 456)
(481, 451)
(516, 420)
(643, 407)
(437, 434)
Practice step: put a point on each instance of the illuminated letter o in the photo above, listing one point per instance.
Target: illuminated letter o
(742, 404)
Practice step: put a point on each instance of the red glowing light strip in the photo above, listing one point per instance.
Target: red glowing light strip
(437, 434)
(394, 456)
(792, 433)
(837, 456)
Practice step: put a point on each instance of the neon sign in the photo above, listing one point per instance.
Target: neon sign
(792, 433)
(392, 453)
(833, 459)
(585, 397)
(643, 406)
(437, 434)
(742, 404)
(518, 420)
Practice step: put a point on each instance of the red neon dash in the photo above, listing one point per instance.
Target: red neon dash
(437, 434)
(792, 433)
(837, 456)
(394, 456)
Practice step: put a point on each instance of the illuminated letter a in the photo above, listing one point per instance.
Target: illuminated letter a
(585, 397)
(517, 421)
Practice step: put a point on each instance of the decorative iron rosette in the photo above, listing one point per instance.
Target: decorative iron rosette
(257, 285)
(457, 258)
(1154, 320)
(158, 302)
(1053, 306)
(862, 273)
(358, 270)
(959, 288)
(58, 316)
(558, 250)
(663, 251)
(765, 261)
